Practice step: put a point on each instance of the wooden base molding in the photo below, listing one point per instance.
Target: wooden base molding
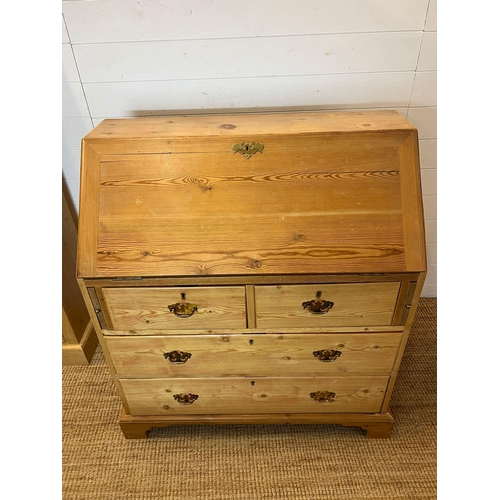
(376, 425)
(80, 354)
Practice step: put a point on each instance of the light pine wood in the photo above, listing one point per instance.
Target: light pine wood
(289, 279)
(254, 355)
(357, 304)
(80, 353)
(412, 206)
(264, 395)
(88, 212)
(266, 124)
(313, 201)
(408, 324)
(147, 308)
(332, 204)
(250, 305)
(79, 338)
(256, 331)
(97, 327)
(400, 305)
(376, 425)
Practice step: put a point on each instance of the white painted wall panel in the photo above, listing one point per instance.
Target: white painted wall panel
(424, 89)
(71, 163)
(429, 181)
(431, 20)
(141, 20)
(73, 186)
(65, 38)
(73, 101)
(73, 131)
(428, 153)
(275, 56)
(430, 207)
(69, 70)
(341, 91)
(431, 277)
(431, 250)
(427, 60)
(429, 291)
(425, 119)
(431, 231)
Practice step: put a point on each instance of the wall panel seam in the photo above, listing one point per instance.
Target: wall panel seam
(232, 38)
(303, 75)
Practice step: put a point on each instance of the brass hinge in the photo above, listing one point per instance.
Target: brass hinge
(408, 301)
(96, 304)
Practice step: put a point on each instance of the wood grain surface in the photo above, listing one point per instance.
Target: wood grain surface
(254, 355)
(147, 308)
(266, 395)
(169, 197)
(355, 304)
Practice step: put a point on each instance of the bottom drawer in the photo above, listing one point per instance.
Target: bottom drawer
(251, 396)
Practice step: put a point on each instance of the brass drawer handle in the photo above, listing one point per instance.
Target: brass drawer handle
(186, 399)
(248, 149)
(318, 306)
(322, 396)
(327, 354)
(183, 309)
(177, 357)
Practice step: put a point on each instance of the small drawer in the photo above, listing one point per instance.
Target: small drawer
(278, 355)
(325, 305)
(181, 308)
(250, 396)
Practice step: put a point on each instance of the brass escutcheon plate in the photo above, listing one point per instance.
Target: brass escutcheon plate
(248, 149)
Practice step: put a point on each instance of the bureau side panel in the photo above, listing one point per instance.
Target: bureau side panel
(411, 205)
(88, 223)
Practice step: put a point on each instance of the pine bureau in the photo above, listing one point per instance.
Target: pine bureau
(252, 268)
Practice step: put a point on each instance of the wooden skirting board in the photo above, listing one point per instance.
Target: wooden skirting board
(81, 353)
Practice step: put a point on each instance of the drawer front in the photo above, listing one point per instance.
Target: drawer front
(193, 356)
(347, 304)
(181, 308)
(247, 396)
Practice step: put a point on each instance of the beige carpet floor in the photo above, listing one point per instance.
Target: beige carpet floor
(262, 462)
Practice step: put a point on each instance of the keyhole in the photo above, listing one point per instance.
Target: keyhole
(250, 341)
(252, 382)
(183, 296)
(318, 294)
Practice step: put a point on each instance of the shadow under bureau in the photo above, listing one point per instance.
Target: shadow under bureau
(252, 268)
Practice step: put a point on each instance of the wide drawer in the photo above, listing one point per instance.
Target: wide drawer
(176, 308)
(325, 305)
(186, 356)
(249, 396)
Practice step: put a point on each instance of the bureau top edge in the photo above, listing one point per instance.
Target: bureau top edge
(248, 123)
(184, 280)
